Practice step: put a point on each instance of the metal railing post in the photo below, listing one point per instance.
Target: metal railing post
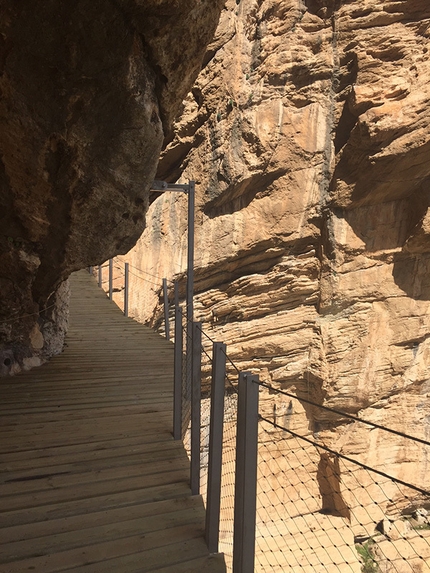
(245, 491)
(176, 293)
(166, 310)
(110, 279)
(196, 368)
(190, 253)
(90, 270)
(177, 376)
(100, 277)
(213, 498)
(126, 286)
(190, 279)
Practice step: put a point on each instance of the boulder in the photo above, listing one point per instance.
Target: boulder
(88, 91)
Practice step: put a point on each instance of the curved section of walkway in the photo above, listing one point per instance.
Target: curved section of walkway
(90, 477)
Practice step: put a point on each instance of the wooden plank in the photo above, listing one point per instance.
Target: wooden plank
(84, 412)
(84, 491)
(91, 441)
(178, 551)
(153, 396)
(157, 439)
(81, 507)
(83, 426)
(208, 564)
(83, 470)
(23, 532)
(41, 458)
(99, 555)
(77, 434)
(48, 543)
(52, 482)
(90, 477)
(153, 389)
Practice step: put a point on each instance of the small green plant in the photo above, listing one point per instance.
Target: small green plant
(16, 242)
(369, 564)
(231, 104)
(421, 526)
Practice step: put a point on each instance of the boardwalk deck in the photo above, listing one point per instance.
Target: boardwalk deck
(90, 477)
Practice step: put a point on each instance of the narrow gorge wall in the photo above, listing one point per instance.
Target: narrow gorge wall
(307, 133)
(88, 91)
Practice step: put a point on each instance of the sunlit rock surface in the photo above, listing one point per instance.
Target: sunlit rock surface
(307, 133)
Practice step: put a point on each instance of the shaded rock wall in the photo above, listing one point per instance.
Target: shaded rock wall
(88, 91)
(307, 133)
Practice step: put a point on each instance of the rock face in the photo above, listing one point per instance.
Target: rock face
(308, 135)
(88, 92)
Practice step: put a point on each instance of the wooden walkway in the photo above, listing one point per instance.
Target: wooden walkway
(90, 477)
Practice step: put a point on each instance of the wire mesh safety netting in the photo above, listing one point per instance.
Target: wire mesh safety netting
(206, 353)
(329, 503)
(228, 447)
(144, 292)
(102, 274)
(186, 382)
(228, 473)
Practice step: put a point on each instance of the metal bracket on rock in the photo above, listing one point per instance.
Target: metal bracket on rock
(162, 186)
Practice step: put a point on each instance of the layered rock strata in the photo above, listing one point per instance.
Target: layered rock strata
(308, 135)
(88, 92)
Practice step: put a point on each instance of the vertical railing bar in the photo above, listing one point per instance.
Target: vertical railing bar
(176, 290)
(245, 494)
(177, 376)
(195, 407)
(190, 253)
(190, 280)
(100, 281)
(110, 279)
(213, 498)
(90, 270)
(126, 287)
(166, 310)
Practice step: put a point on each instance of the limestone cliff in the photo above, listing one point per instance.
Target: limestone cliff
(307, 133)
(88, 92)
